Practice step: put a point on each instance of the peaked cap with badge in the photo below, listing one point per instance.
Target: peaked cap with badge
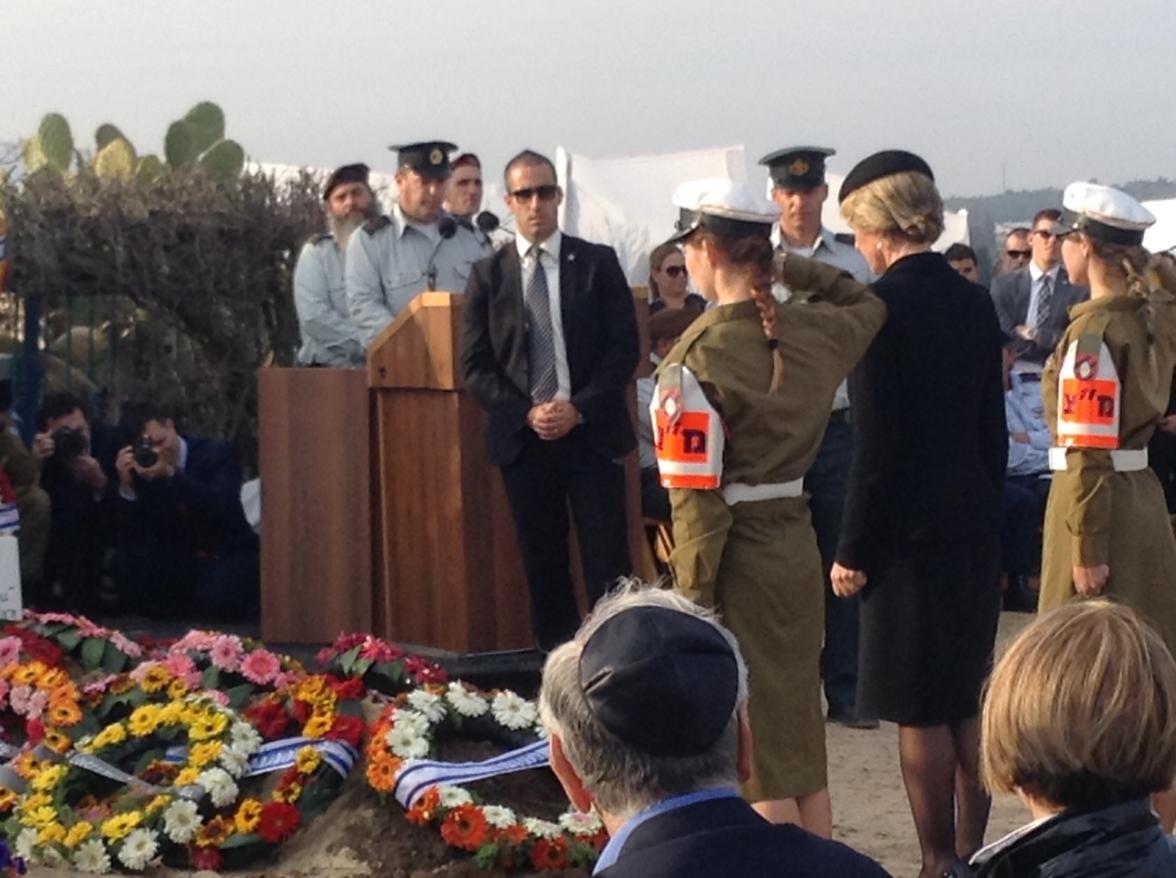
(429, 158)
(727, 207)
(798, 167)
(1103, 213)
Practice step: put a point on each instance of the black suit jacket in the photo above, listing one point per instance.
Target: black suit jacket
(196, 510)
(600, 333)
(930, 442)
(1010, 295)
(727, 837)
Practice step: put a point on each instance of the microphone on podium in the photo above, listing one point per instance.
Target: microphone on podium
(447, 228)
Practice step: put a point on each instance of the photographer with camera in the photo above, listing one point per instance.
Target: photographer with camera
(79, 489)
(182, 545)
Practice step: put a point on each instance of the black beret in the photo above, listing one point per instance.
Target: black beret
(429, 158)
(798, 167)
(882, 164)
(357, 173)
(663, 681)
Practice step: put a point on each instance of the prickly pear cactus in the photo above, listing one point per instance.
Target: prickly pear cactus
(107, 133)
(149, 168)
(208, 125)
(116, 161)
(179, 146)
(224, 161)
(55, 141)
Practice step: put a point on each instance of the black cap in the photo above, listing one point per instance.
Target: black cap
(429, 158)
(882, 164)
(357, 173)
(798, 167)
(661, 680)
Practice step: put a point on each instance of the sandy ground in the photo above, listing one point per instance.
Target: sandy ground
(869, 806)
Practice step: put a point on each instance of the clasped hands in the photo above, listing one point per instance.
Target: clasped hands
(554, 419)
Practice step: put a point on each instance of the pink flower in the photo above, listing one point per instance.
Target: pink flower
(192, 680)
(88, 628)
(261, 666)
(19, 699)
(140, 671)
(226, 652)
(9, 650)
(125, 644)
(379, 651)
(345, 642)
(216, 695)
(325, 655)
(200, 641)
(179, 665)
(97, 687)
(286, 678)
(423, 671)
(50, 618)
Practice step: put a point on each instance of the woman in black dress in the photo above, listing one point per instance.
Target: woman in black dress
(920, 535)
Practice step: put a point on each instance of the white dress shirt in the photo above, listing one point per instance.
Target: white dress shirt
(1035, 284)
(549, 257)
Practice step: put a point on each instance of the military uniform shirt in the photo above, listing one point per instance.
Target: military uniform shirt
(387, 261)
(829, 250)
(329, 337)
(1025, 413)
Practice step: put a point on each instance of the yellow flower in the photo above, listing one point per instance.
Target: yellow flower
(122, 684)
(49, 777)
(310, 689)
(209, 725)
(325, 703)
(57, 741)
(214, 833)
(109, 736)
(35, 801)
(28, 766)
(38, 817)
(156, 677)
(177, 688)
(51, 678)
(248, 816)
(307, 760)
(144, 720)
(187, 776)
(288, 794)
(51, 834)
(78, 833)
(157, 804)
(317, 726)
(171, 714)
(120, 825)
(27, 675)
(203, 753)
(7, 799)
(64, 712)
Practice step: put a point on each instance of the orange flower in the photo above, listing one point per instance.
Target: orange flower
(550, 854)
(123, 684)
(7, 799)
(64, 713)
(56, 741)
(513, 836)
(52, 678)
(465, 827)
(214, 833)
(381, 772)
(425, 808)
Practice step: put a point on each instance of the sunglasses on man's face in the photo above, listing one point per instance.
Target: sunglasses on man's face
(675, 270)
(546, 192)
(1044, 233)
(1019, 254)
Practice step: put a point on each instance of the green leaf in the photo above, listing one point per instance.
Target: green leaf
(114, 659)
(347, 659)
(68, 640)
(179, 145)
(56, 141)
(207, 122)
(240, 841)
(210, 678)
(150, 168)
(487, 856)
(33, 156)
(239, 695)
(224, 161)
(92, 650)
(116, 161)
(107, 133)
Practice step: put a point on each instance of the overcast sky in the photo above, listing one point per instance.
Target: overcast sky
(1041, 91)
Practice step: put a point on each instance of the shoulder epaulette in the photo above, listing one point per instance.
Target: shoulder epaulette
(320, 237)
(843, 238)
(376, 223)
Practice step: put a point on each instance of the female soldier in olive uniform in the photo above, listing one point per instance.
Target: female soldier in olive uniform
(746, 545)
(1106, 386)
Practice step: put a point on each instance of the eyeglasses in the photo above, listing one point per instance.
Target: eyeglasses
(1044, 233)
(675, 270)
(546, 192)
(1019, 254)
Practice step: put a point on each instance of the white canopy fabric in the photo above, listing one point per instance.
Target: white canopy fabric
(1161, 236)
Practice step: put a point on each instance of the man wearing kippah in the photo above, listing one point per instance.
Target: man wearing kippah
(646, 710)
(417, 247)
(320, 295)
(799, 190)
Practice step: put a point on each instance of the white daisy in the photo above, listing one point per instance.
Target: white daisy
(411, 720)
(244, 738)
(91, 856)
(579, 823)
(51, 856)
(233, 761)
(451, 797)
(220, 786)
(465, 702)
(138, 849)
(542, 828)
(406, 744)
(181, 820)
(25, 842)
(499, 817)
(513, 711)
(429, 704)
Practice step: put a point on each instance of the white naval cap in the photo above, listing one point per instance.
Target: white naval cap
(1103, 213)
(729, 207)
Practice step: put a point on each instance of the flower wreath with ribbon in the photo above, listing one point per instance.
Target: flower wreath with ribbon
(406, 735)
(92, 646)
(38, 704)
(381, 665)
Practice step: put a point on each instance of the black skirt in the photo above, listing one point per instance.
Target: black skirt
(928, 625)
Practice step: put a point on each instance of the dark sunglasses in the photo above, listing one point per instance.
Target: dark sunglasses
(675, 270)
(1019, 254)
(546, 192)
(1044, 233)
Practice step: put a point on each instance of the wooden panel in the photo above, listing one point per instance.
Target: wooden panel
(316, 536)
(420, 347)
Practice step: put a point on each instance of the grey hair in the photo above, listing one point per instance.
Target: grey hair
(622, 779)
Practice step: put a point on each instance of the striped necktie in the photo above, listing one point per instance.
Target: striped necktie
(1044, 297)
(540, 336)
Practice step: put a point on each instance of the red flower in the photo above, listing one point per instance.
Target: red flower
(302, 711)
(269, 718)
(345, 642)
(37, 647)
(465, 827)
(550, 854)
(423, 671)
(348, 690)
(289, 776)
(279, 821)
(35, 729)
(380, 651)
(346, 728)
(425, 808)
(205, 857)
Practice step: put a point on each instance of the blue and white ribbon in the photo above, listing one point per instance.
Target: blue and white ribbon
(418, 775)
(280, 755)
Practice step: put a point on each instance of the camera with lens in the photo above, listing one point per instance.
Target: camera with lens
(68, 443)
(144, 452)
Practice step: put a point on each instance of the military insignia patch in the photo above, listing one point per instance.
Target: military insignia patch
(436, 157)
(798, 168)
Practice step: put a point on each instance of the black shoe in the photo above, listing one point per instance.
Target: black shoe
(850, 718)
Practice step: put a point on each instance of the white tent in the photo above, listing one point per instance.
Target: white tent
(1161, 236)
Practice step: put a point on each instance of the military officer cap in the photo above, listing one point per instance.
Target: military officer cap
(357, 173)
(882, 164)
(727, 207)
(429, 158)
(1103, 213)
(798, 167)
(662, 681)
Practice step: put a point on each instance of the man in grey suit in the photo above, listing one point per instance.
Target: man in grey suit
(1033, 303)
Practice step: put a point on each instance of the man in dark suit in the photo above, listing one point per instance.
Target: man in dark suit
(182, 539)
(548, 348)
(646, 712)
(1033, 303)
